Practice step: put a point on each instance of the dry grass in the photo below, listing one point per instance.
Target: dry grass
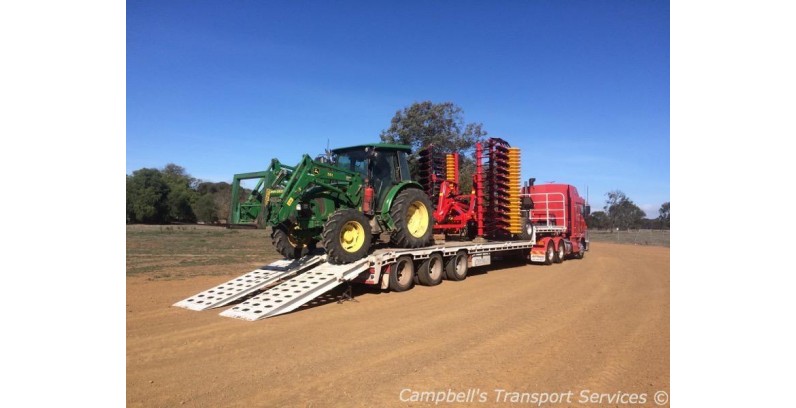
(179, 251)
(636, 237)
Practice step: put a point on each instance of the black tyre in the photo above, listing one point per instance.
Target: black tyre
(471, 230)
(456, 267)
(402, 277)
(549, 253)
(346, 236)
(527, 229)
(581, 250)
(560, 252)
(285, 244)
(412, 213)
(431, 270)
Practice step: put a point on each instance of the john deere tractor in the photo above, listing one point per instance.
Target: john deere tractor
(340, 201)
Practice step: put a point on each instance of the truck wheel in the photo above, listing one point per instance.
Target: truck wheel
(346, 236)
(285, 244)
(559, 257)
(581, 250)
(403, 274)
(549, 253)
(456, 267)
(411, 212)
(431, 270)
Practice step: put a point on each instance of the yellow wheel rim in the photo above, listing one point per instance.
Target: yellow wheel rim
(352, 237)
(417, 219)
(291, 241)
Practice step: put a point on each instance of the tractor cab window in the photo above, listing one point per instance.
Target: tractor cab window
(402, 167)
(383, 168)
(354, 160)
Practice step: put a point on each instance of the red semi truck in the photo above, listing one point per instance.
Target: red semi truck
(557, 214)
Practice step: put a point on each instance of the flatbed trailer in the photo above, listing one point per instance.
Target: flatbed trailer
(285, 285)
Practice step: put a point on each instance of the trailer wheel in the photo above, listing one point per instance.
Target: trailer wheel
(431, 270)
(346, 236)
(285, 244)
(456, 267)
(412, 213)
(403, 274)
(560, 254)
(549, 253)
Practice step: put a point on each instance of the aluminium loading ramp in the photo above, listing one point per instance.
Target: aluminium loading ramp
(291, 294)
(246, 284)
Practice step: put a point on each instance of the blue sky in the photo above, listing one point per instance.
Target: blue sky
(582, 87)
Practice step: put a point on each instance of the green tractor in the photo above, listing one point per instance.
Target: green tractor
(341, 201)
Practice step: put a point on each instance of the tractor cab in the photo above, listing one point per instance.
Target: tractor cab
(381, 165)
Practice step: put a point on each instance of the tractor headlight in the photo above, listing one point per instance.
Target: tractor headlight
(298, 207)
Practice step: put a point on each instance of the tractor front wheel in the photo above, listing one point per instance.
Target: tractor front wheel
(285, 244)
(346, 236)
(412, 214)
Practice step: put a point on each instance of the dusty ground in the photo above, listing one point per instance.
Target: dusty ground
(599, 324)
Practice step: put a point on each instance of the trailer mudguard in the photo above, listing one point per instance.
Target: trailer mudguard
(387, 204)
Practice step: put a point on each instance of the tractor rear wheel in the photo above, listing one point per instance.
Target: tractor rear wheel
(412, 214)
(346, 236)
(284, 243)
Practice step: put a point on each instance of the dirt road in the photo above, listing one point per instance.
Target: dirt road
(598, 325)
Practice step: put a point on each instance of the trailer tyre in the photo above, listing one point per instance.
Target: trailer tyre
(431, 270)
(560, 253)
(285, 244)
(549, 253)
(456, 267)
(412, 213)
(403, 274)
(346, 236)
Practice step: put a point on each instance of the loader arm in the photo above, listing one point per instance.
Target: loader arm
(346, 186)
(269, 184)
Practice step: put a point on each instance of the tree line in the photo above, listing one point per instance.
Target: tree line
(170, 194)
(621, 212)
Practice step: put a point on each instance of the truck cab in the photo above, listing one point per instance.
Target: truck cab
(558, 216)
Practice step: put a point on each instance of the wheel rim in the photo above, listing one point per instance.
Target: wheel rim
(352, 236)
(417, 219)
(461, 264)
(291, 240)
(549, 252)
(561, 251)
(402, 275)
